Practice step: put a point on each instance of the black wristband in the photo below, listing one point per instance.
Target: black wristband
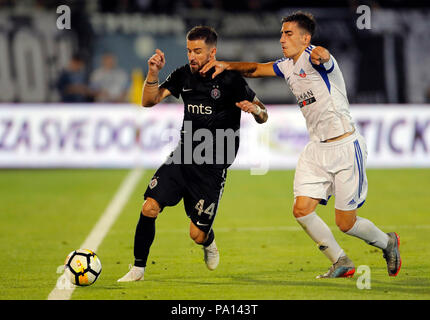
(151, 82)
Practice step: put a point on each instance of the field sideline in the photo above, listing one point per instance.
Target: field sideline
(45, 214)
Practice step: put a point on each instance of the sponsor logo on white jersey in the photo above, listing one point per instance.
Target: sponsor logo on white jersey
(306, 98)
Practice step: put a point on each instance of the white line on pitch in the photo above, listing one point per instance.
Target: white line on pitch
(102, 227)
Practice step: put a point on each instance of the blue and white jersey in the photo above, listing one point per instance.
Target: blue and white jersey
(320, 93)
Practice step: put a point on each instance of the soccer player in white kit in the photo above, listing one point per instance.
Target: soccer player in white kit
(334, 160)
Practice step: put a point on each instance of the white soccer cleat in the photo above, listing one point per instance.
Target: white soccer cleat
(135, 274)
(211, 256)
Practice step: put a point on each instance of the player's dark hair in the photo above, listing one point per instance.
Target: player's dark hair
(304, 20)
(208, 34)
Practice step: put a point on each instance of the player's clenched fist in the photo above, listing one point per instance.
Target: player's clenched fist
(157, 61)
(320, 55)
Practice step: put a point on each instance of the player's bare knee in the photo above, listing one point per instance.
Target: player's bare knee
(297, 212)
(345, 225)
(150, 208)
(201, 238)
(150, 212)
(198, 236)
(345, 220)
(304, 206)
(300, 210)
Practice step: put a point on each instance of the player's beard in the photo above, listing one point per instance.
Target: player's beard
(195, 66)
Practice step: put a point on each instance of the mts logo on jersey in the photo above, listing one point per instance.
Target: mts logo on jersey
(201, 109)
(306, 98)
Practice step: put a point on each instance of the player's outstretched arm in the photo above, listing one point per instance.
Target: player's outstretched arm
(247, 69)
(256, 108)
(152, 93)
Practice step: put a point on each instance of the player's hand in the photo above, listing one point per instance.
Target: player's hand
(219, 66)
(247, 106)
(156, 62)
(320, 55)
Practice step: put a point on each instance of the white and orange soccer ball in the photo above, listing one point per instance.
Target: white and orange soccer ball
(82, 267)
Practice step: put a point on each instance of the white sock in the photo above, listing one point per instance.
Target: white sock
(318, 230)
(367, 231)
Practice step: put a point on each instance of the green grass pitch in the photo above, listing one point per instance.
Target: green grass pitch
(45, 214)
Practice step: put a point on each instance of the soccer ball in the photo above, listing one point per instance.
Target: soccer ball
(82, 267)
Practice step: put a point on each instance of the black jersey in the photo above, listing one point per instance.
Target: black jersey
(209, 104)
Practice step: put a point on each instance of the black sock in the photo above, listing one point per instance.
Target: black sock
(211, 237)
(143, 238)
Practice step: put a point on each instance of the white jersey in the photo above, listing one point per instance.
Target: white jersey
(320, 93)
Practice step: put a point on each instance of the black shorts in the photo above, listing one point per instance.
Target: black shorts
(201, 187)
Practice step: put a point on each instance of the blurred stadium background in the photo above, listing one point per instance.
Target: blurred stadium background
(386, 64)
(68, 99)
(102, 59)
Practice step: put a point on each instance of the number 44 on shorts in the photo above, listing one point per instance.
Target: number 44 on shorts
(209, 210)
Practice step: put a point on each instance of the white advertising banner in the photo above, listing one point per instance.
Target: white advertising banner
(92, 135)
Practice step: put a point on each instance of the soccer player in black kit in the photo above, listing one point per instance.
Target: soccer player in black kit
(196, 170)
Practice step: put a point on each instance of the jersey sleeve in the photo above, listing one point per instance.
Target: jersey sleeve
(173, 83)
(329, 65)
(280, 67)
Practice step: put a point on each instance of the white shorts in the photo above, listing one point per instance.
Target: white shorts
(334, 168)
